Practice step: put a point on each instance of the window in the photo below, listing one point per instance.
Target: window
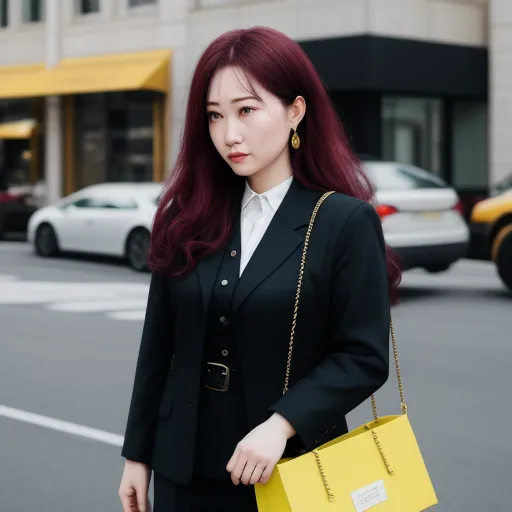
(32, 11)
(114, 133)
(85, 202)
(120, 203)
(105, 202)
(89, 6)
(136, 3)
(3, 13)
(502, 186)
(412, 132)
(130, 123)
(470, 145)
(393, 177)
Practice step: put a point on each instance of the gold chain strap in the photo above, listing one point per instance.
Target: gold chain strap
(330, 494)
(299, 287)
(403, 405)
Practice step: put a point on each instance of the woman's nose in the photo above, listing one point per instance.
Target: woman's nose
(232, 135)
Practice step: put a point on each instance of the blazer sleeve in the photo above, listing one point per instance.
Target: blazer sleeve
(155, 355)
(360, 313)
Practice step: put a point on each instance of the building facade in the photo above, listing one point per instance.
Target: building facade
(96, 89)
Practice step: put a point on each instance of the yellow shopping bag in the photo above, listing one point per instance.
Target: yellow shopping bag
(376, 467)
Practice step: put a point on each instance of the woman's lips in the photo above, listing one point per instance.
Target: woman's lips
(237, 157)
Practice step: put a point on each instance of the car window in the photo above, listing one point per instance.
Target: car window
(397, 177)
(121, 203)
(503, 186)
(106, 202)
(84, 202)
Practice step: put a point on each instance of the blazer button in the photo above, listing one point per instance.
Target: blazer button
(224, 282)
(223, 320)
(225, 353)
(233, 254)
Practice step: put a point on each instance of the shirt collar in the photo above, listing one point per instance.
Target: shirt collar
(274, 196)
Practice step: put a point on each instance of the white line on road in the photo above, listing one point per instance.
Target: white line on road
(62, 426)
(6, 278)
(118, 301)
(97, 306)
(137, 315)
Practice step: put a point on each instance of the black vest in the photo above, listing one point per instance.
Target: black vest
(221, 421)
(222, 416)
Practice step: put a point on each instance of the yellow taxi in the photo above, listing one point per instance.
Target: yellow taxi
(491, 232)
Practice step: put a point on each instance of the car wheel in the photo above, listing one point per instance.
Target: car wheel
(137, 247)
(436, 269)
(502, 255)
(45, 242)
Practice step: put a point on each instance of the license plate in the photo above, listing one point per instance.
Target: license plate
(431, 215)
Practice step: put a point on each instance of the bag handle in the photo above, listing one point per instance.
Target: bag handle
(403, 405)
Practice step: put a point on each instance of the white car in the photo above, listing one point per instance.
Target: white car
(421, 216)
(112, 219)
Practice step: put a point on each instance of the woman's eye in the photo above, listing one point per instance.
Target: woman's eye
(246, 110)
(213, 116)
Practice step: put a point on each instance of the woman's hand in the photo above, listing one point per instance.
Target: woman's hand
(133, 490)
(259, 451)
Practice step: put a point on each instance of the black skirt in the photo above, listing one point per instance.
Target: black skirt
(202, 495)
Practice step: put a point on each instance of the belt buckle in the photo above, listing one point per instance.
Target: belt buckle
(226, 374)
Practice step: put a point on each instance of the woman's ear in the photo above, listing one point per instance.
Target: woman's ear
(297, 111)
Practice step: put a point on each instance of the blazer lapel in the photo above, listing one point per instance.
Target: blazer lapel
(279, 241)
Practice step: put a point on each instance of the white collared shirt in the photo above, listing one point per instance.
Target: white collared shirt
(257, 212)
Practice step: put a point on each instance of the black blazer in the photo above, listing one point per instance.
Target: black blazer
(341, 350)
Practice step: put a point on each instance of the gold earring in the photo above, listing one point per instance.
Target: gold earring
(295, 140)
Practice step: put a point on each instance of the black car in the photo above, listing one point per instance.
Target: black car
(15, 210)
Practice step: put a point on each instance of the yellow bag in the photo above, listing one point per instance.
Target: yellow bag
(376, 467)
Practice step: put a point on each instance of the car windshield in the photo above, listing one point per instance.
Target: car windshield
(504, 185)
(398, 177)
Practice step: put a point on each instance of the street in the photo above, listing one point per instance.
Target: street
(69, 336)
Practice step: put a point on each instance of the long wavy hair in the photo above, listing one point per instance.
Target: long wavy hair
(197, 208)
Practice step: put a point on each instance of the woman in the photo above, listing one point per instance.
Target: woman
(262, 142)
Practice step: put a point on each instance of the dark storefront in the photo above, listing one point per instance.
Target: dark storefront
(20, 142)
(114, 137)
(112, 119)
(411, 101)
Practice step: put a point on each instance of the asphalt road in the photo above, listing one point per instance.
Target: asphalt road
(69, 335)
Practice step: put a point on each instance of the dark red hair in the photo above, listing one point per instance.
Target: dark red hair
(196, 211)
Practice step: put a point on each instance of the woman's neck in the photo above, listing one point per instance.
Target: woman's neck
(272, 175)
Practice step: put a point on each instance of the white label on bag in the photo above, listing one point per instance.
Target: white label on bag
(369, 496)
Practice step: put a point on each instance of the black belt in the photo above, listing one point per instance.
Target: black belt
(219, 377)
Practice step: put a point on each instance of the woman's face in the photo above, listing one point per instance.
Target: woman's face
(251, 132)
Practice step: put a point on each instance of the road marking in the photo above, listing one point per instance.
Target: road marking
(5, 278)
(452, 280)
(128, 315)
(62, 426)
(118, 301)
(97, 306)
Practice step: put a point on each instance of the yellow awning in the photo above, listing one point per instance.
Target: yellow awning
(122, 72)
(17, 129)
